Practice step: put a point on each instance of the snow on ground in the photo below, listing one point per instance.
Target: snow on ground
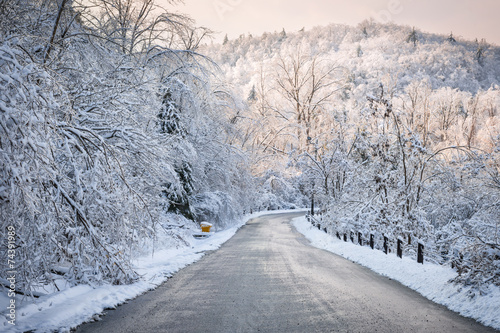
(430, 280)
(61, 311)
(67, 309)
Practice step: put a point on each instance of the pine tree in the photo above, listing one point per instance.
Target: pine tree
(252, 96)
(359, 51)
(451, 39)
(185, 172)
(365, 32)
(226, 40)
(168, 116)
(480, 51)
(178, 196)
(283, 34)
(412, 37)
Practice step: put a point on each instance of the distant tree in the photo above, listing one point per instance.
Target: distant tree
(412, 37)
(252, 96)
(451, 38)
(365, 31)
(481, 47)
(363, 27)
(417, 112)
(226, 40)
(359, 51)
(307, 84)
(283, 34)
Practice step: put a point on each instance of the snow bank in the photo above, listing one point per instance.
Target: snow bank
(69, 308)
(430, 280)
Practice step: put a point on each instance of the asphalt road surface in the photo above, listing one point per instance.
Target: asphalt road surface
(268, 279)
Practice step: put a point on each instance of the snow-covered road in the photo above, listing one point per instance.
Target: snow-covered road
(268, 278)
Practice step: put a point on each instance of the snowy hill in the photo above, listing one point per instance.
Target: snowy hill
(391, 130)
(369, 52)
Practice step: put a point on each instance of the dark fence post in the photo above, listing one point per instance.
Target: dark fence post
(338, 235)
(400, 248)
(372, 241)
(312, 204)
(386, 247)
(420, 255)
(352, 236)
(409, 239)
(360, 239)
(345, 237)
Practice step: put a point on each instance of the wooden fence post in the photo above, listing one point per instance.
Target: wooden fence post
(372, 241)
(400, 248)
(360, 239)
(420, 255)
(312, 204)
(386, 246)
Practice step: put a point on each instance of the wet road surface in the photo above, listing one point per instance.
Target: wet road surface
(268, 279)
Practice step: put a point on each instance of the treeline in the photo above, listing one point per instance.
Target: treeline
(109, 120)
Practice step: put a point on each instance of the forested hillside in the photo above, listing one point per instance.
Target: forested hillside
(115, 138)
(393, 132)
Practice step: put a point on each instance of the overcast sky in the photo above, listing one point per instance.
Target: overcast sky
(466, 18)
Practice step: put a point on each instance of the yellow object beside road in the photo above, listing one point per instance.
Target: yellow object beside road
(205, 227)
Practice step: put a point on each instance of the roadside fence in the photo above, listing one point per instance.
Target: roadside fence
(401, 243)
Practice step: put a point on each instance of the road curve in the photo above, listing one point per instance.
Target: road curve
(268, 279)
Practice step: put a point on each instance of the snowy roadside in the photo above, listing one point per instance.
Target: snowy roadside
(61, 311)
(430, 280)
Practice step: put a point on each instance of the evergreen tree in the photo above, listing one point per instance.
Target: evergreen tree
(283, 34)
(170, 124)
(451, 39)
(412, 37)
(359, 51)
(365, 32)
(168, 116)
(480, 51)
(252, 96)
(179, 198)
(226, 40)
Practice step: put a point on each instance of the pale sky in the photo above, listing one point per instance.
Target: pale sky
(469, 19)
